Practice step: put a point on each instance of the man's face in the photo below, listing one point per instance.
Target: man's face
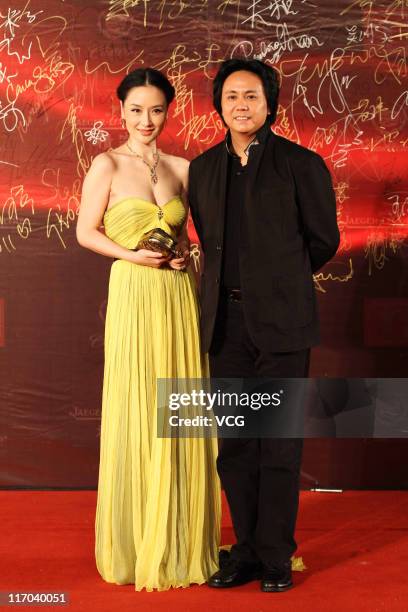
(243, 102)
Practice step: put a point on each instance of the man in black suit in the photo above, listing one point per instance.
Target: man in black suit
(265, 213)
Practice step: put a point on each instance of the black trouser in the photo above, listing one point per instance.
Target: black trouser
(260, 476)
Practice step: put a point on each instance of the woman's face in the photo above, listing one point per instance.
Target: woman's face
(144, 111)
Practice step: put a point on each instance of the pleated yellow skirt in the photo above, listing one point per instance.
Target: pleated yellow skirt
(158, 507)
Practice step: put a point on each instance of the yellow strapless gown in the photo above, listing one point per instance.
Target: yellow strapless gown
(158, 507)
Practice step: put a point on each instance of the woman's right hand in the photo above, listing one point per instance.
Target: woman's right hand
(144, 257)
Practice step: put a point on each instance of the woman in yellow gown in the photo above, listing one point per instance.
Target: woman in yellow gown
(158, 507)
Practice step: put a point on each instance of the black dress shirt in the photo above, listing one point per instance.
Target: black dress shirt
(236, 180)
(235, 198)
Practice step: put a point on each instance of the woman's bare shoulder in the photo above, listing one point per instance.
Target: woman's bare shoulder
(104, 161)
(179, 167)
(177, 162)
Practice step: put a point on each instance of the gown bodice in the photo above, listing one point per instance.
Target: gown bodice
(127, 220)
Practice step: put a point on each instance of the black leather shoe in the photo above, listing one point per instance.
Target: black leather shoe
(234, 573)
(277, 579)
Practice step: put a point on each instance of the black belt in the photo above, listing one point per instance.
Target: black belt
(231, 294)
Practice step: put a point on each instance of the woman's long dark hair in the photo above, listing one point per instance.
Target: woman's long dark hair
(145, 76)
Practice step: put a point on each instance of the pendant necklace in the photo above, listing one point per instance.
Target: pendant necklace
(156, 157)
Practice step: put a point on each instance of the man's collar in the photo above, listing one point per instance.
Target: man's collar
(263, 132)
(259, 138)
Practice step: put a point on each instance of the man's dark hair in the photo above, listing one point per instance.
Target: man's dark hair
(267, 74)
(145, 76)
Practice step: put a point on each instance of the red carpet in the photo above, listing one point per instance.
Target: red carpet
(354, 544)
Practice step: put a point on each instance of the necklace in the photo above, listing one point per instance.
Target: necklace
(156, 157)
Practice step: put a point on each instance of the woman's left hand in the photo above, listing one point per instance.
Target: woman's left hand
(181, 263)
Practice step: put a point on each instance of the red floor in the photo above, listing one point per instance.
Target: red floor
(354, 544)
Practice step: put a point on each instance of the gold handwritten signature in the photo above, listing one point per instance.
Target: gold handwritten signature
(77, 139)
(330, 276)
(378, 246)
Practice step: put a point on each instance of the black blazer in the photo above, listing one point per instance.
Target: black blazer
(288, 231)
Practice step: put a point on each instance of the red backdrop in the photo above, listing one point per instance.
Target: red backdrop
(344, 94)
